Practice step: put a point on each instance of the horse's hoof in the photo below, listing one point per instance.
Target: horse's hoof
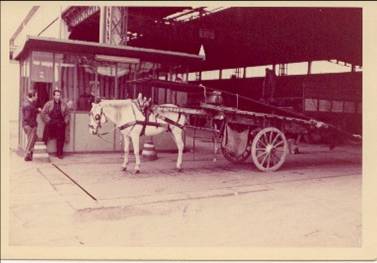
(124, 169)
(137, 171)
(179, 170)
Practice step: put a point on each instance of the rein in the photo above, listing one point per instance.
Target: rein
(98, 117)
(105, 133)
(100, 136)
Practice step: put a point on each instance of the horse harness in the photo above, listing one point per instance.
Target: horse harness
(146, 113)
(97, 118)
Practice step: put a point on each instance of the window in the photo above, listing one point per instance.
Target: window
(324, 105)
(123, 74)
(337, 106)
(22, 63)
(106, 80)
(311, 104)
(210, 75)
(349, 107)
(86, 85)
(25, 68)
(64, 75)
(42, 66)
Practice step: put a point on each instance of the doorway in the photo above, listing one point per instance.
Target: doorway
(44, 92)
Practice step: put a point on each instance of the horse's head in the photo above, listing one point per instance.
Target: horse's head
(96, 118)
(143, 102)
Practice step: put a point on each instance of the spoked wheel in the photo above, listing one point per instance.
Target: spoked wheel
(269, 149)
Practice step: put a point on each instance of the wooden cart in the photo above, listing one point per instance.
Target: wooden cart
(265, 136)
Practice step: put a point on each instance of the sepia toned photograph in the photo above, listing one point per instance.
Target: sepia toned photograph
(147, 130)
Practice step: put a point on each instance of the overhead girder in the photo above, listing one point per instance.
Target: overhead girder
(237, 37)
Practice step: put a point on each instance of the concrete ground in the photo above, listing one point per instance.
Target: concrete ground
(85, 200)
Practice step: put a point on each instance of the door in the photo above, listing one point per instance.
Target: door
(44, 90)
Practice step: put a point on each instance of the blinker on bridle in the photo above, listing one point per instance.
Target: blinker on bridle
(97, 118)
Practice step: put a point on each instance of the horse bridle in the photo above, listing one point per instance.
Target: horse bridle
(97, 119)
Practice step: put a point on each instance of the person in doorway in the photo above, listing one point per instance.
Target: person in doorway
(29, 122)
(55, 114)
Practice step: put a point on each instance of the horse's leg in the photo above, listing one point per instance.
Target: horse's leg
(178, 135)
(215, 145)
(126, 147)
(214, 141)
(135, 143)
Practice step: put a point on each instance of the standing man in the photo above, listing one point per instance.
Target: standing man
(29, 122)
(56, 115)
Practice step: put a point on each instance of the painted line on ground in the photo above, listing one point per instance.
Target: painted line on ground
(82, 188)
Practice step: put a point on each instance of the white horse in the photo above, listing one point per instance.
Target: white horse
(129, 117)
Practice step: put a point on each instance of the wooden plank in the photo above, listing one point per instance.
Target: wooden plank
(181, 110)
(201, 128)
(244, 117)
(230, 110)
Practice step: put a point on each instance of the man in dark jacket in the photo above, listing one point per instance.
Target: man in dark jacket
(56, 115)
(29, 123)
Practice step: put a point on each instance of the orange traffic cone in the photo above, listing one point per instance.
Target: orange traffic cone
(149, 151)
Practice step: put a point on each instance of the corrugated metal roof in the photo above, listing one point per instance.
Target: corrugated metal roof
(253, 36)
(84, 47)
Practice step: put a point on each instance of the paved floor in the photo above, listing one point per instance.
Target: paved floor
(85, 200)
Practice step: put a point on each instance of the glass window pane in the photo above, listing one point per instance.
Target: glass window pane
(324, 105)
(27, 67)
(192, 76)
(337, 106)
(42, 66)
(123, 73)
(106, 78)
(64, 75)
(349, 107)
(42, 56)
(22, 69)
(311, 104)
(86, 86)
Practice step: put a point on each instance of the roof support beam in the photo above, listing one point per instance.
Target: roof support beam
(77, 14)
(101, 24)
(309, 67)
(19, 29)
(113, 25)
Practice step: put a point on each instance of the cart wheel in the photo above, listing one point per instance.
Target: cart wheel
(269, 149)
